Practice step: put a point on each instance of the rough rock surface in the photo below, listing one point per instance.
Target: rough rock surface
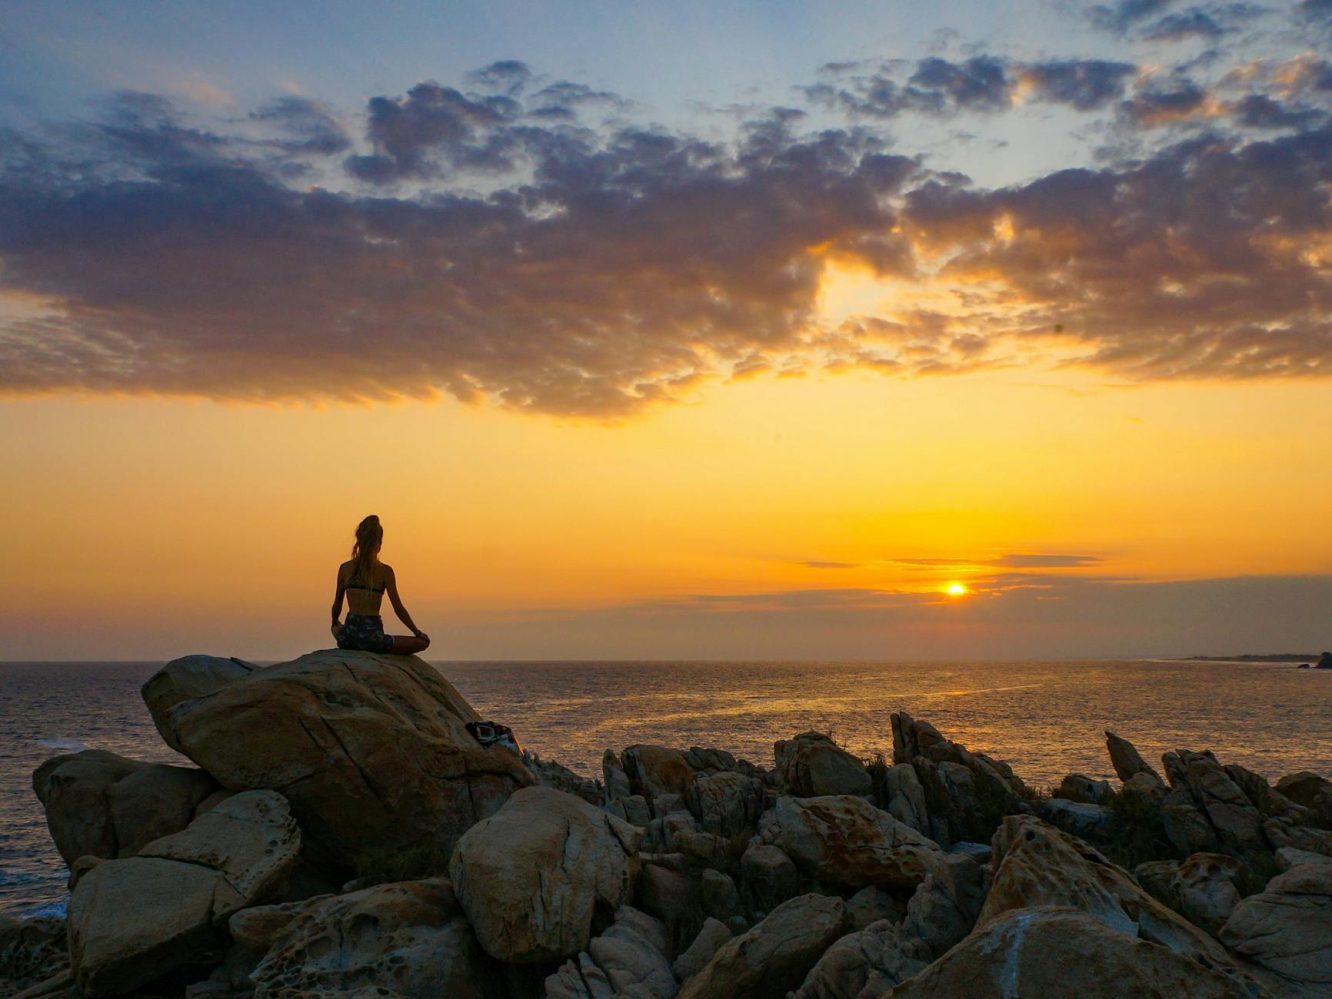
(133, 920)
(768, 877)
(710, 939)
(865, 964)
(1312, 791)
(1205, 889)
(371, 750)
(729, 804)
(946, 904)
(1287, 928)
(534, 877)
(1037, 865)
(628, 959)
(31, 951)
(812, 764)
(1084, 789)
(844, 840)
(102, 805)
(186, 679)
(657, 770)
(1051, 951)
(409, 938)
(1127, 761)
(775, 956)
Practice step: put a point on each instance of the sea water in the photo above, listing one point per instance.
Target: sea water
(1047, 719)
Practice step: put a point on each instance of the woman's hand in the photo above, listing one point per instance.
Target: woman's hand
(336, 629)
(420, 634)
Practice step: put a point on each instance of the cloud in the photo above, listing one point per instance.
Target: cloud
(1034, 561)
(1120, 17)
(479, 247)
(1194, 23)
(813, 564)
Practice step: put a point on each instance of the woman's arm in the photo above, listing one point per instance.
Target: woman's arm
(337, 604)
(391, 584)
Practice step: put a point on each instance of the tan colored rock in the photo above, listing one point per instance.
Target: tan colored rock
(906, 797)
(844, 840)
(1127, 761)
(775, 956)
(865, 964)
(1238, 824)
(1206, 887)
(768, 877)
(657, 770)
(409, 938)
(1036, 865)
(711, 938)
(1287, 928)
(1085, 790)
(532, 876)
(133, 920)
(186, 679)
(371, 750)
(945, 905)
(1312, 791)
(813, 765)
(1186, 825)
(729, 804)
(632, 954)
(99, 804)
(1053, 952)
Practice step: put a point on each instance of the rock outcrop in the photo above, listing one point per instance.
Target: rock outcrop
(535, 877)
(99, 804)
(1287, 928)
(371, 750)
(31, 951)
(133, 920)
(844, 841)
(865, 964)
(628, 959)
(410, 939)
(775, 956)
(813, 765)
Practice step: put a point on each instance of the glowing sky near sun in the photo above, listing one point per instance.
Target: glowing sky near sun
(695, 330)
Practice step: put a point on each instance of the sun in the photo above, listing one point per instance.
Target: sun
(956, 590)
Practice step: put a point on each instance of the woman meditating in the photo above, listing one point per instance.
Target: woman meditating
(364, 580)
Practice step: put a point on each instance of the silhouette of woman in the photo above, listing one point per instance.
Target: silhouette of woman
(364, 579)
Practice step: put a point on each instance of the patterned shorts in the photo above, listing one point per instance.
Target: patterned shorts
(364, 632)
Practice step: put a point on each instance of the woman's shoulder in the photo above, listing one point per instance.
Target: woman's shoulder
(345, 568)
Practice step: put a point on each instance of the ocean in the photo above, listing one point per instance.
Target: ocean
(1047, 719)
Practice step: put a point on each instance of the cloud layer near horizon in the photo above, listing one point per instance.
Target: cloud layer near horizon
(526, 242)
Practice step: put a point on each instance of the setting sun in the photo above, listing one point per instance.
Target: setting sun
(956, 590)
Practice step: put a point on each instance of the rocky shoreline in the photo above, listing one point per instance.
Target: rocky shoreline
(344, 834)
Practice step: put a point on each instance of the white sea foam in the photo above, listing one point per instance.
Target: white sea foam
(62, 745)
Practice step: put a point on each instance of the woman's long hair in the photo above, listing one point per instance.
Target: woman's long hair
(369, 536)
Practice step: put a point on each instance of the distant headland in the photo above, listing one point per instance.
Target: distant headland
(1256, 657)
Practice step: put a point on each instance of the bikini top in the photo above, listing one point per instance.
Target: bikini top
(362, 586)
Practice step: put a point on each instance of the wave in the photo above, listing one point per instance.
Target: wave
(64, 745)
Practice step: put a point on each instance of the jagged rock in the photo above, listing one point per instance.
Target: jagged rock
(1037, 865)
(371, 750)
(966, 793)
(1157, 879)
(768, 877)
(627, 960)
(1142, 793)
(1281, 833)
(1086, 790)
(1079, 818)
(844, 840)
(906, 798)
(1205, 886)
(657, 770)
(710, 939)
(31, 951)
(613, 775)
(1238, 824)
(864, 964)
(1270, 802)
(1312, 791)
(532, 877)
(1049, 951)
(813, 765)
(1186, 825)
(548, 773)
(669, 896)
(409, 938)
(58, 986)
(186, 679)
(102, 805)
(775, 956)
(1287, 928)
(133, 920)
(729, 804)
(718, 896)
(945, 905)
(870, 905)
(1127, 761)
(1288, 857)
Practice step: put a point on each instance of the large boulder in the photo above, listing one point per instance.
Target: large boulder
(187, 679)
(1127, 761)
(844, 841)
(654, 771)
(135, 919)
(1206, 890)
(371, 750)
(775, 956)
(946, 904)
(812, 765)
(31, 950)
(1312, 791)
(99, 804)
(865, 964)
(536, 877)
(1052, 951)
(409, 938)
(1287, 928)
(1036, 865)
(728, 804)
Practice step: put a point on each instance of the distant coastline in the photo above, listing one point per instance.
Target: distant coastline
(1252, 657)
